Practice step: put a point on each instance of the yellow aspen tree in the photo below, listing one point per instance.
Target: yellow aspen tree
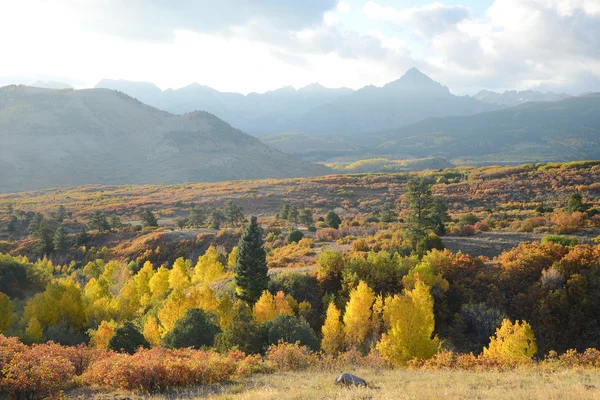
(208, 268)
(179, 277)
(202, 296)
(377, 318)
(34, 330)
(512, 342)
(358, 314)
(411, 322)
(225, 310)
(142, 285)
(264, 309)
(152, 331)
(282, 307)
(333, 331)
(173, 308)
(305, 310)
(292, 302)
(101, 336)
(232, 258)
(159, 284)
(6, 312)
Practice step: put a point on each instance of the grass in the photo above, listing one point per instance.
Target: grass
(393, 384)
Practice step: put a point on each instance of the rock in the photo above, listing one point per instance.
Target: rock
(349, 379)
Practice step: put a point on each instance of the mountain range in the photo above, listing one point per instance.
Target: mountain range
(53, 138)
(316, 110)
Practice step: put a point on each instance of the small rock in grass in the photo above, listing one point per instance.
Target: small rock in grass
(350, 380)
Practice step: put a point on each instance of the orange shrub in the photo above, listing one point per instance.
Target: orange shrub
(481, 226)
(462, 230)
(290, 356)
(327, 235)
(36, 372)
(568, 223)
(158, 369)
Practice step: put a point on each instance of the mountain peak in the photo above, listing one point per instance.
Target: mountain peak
(416, 81)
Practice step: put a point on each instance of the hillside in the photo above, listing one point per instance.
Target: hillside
(564, 130)
(256, 113)
(314, 109)
(53, 138)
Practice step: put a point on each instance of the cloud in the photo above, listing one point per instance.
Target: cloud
(159, 19)
(429, 20)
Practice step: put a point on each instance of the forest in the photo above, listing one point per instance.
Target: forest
(149, 288)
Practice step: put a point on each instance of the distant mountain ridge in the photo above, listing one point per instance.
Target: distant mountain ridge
(568, 129)
(319, 111)
(512, 98)
(54, 138)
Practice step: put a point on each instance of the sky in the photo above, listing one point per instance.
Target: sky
(259, 45)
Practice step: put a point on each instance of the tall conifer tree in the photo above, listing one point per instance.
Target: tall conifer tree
(250, 270)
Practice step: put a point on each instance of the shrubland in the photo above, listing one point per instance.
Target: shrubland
(335, 272)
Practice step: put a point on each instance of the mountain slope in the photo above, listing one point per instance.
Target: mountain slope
(563, 130)
(56, 138)
(257, 114)
(411, 98)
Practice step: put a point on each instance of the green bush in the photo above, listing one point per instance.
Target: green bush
(295, 236)
(196, 329)
(291, 329)
(562, 240)
(127, 339)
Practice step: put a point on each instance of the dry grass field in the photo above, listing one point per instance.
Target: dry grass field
(390, 384)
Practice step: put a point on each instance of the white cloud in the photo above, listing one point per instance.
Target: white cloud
(429, 20)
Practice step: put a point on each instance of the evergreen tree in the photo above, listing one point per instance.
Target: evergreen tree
(115, 223)
(306, 217)
(82, 237)
(293, 214)
(285, 210)
(233, 213)
(333, 220)
(61, 214)
(45, 245)
(216, 218)
(426, 213)
(197, 217)
(576, 204)
(98, 221)
(148, 218)
(34, 224)
(242, 332)
(387, 212)
(251, 272)
(60, 240)
(196, 329)
(127, 338)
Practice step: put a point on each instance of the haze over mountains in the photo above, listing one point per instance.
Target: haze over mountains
(317, 110)
(65, 137)
(54, 138)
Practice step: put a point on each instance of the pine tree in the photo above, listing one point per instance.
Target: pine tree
(233, 213)
(98, 221)
(115, 223)
(284, 212)
(216, 218)
(333, 220)
(61, 214)
(251, 272)
(82, 237)
(358, 314)
(61, 239)
(197, 217)
(148, 218)
(333, 331)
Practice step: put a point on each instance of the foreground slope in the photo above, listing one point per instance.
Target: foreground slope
(54, 138)
(563, 130)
